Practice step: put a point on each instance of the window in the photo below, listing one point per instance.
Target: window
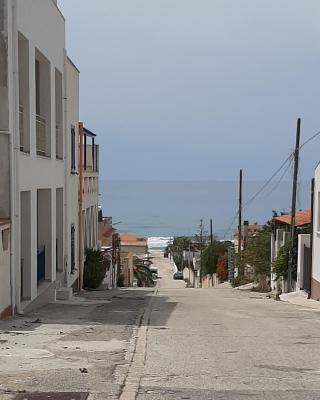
(73, 150)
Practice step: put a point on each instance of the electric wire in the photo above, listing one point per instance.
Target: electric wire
(288, 160)
(275, 187)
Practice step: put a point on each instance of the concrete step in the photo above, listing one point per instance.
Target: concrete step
(64, 293)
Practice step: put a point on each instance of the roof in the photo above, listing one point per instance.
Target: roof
(302, 218)
(73, 64)
(131, 239)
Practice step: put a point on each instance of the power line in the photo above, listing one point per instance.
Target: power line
(266, 184)
(281, 178)
(310, 139)
(278, 170)
(230, 227)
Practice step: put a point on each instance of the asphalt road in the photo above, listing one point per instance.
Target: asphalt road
(166, 271)
(227, 344)
(165, 343)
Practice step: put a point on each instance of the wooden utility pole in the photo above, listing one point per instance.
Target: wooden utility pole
(211, 231)
(293, 205)
(240, 223)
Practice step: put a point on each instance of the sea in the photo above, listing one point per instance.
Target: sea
(160, 210)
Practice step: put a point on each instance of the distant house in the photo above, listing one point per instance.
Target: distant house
(108, 243)
(133, 243)
(247, 230)
(105, 231)
(90, 200)
(133, 247)
(281, 236)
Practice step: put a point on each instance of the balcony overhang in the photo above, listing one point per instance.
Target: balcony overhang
(89, 133)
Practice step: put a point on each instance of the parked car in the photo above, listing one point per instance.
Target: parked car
(178, 276)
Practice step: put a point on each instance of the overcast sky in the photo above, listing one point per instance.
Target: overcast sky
(196, 89)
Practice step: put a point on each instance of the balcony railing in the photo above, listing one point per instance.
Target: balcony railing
(91, 158)
(41, 136)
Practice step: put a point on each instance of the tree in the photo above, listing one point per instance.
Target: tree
(222, 268)
(210, 256)
(257, 255)
(180, 244)
(280, 264)
(94, 269)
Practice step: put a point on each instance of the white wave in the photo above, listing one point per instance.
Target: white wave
(159, 242)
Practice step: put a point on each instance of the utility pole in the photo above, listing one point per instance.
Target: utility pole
(240, 223)
(293, 205)
(211, 231)
(201, 241)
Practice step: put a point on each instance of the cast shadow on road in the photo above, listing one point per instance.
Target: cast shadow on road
(125, 308)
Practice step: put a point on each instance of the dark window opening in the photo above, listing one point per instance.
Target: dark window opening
(73, 150)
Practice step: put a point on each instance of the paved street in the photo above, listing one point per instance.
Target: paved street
(168, 343)
(226, 344)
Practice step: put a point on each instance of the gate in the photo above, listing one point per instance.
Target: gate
(307, 269)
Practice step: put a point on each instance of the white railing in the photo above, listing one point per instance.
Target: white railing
(41, 136)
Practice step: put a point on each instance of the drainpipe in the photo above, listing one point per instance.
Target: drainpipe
(80, 277)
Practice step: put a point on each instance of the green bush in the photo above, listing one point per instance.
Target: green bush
(94, 269)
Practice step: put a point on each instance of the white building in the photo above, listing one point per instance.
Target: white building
(89, 195)
(39, 114)
(90, 203)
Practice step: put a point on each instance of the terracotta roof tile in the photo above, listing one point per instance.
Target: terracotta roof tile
(131, 237)
(302, 218)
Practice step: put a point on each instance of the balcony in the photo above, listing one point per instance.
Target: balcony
(91, 158)
(41, 136)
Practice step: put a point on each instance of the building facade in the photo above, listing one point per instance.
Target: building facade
(6, 280)
(39, 127)
(88, 196)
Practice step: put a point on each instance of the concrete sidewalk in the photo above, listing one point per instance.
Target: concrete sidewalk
(300, 299)
(82, 346)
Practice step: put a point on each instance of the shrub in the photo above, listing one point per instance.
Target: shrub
(94, 269)
(222, 268)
